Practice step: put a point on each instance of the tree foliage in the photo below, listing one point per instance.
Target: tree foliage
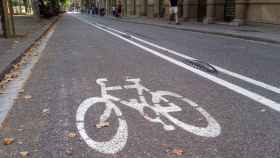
(49, 8)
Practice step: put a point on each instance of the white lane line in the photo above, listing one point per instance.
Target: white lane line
(252, 95)
(220, 69)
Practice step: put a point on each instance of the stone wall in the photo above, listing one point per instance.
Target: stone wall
(264, 11)
(207, 11)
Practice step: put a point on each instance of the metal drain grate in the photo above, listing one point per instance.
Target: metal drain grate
(201, 66)
(126, 35)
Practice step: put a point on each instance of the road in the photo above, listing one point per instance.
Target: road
(98, 92)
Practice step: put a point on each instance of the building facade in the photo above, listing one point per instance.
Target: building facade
(236, 12)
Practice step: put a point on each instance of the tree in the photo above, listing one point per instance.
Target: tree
(7, 18)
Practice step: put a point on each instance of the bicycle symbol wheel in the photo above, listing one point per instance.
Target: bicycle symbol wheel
(213, 128)
(118, 141)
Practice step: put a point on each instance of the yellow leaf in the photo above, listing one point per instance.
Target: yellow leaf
(72, 135)
(177, 152)
(24, 154)
(27, 97)
(102, 124)
(8, 141)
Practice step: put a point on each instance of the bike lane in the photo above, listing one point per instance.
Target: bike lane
(77, 55)
(235, 59)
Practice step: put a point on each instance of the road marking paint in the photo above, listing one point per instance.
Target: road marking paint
(118, 141)
(220, 69)
(252, 95)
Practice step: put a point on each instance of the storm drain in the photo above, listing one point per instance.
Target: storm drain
(198, 64)
(125, 35)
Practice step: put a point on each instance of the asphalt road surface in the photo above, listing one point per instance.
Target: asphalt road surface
(109, 89)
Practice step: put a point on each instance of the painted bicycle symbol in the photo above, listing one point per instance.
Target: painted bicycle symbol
(118, 141)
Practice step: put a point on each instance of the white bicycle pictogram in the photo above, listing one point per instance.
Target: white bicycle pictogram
(118, 142)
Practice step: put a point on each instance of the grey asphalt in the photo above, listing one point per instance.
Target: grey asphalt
(78, 54)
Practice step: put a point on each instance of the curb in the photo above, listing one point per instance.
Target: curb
(37, 36)
(240, 36)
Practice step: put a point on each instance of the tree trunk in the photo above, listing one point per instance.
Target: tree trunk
(7, 18)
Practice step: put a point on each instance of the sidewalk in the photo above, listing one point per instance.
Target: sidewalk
(269, 33)
(28, 30)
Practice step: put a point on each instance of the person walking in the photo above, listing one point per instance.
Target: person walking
(114, 11)
(119, 9)
(173, 11)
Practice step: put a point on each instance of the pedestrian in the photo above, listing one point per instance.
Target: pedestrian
(119, 9)
(92, 10)
(173, 11)
(114, 11)
(96, 10)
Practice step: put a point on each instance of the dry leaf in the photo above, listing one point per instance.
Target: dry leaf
(14, 75)
(20, 129)
(24, 154)
(102, 124)
(164, 145)
(72, 135)
(69, 151)
(263, 110)
(177, 152)
(27, 97)
(20, 143)
(9, 79)
(45, 111)
(21, 91)
(8, 141)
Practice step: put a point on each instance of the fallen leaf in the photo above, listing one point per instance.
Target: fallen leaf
(102, 124)
(177, 152)
(45, 111)
(20, 129)
(8, 141)
(27, 97)
(263, 110)
(164, 145)
(9, 79)
(72, 135)
(20, 143)
(69, 151)
(14, 75)
(24, 154)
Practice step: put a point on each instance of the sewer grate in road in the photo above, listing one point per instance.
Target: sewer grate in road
(198, 64)
(126, 35)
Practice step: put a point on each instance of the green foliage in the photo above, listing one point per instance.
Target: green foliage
(65, 3)
(17, 2)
